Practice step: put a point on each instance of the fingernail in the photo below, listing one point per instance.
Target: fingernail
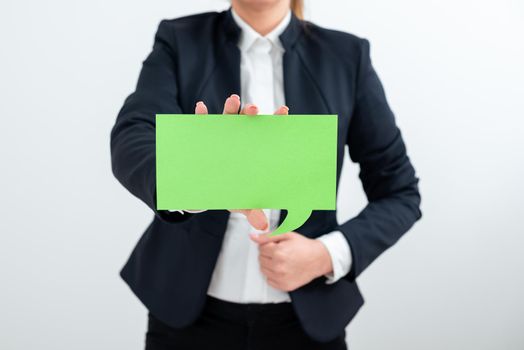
(286, 107)
(199, 103)
(253, 107)
(235, 96)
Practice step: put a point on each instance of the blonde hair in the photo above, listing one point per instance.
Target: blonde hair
(297, 6)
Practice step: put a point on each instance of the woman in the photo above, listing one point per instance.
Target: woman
(206, 279)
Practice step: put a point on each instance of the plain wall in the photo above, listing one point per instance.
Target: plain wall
(454, 75)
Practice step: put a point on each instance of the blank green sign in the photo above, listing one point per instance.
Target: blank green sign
(247, 162)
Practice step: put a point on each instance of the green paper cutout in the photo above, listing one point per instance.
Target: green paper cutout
(294, 219)
(247, 162)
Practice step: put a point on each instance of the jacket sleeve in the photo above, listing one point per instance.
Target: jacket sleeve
(133, 135)
(387, 176)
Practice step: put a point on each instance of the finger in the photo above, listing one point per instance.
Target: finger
(268, 273)
(265, 261)
(282, 110)
(200, 108)
(275, 284)
(262, 239)
(232, 104)
(257, 218)
(268, 250)
(249, 109)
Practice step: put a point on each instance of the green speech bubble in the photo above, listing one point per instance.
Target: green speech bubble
(247, 162)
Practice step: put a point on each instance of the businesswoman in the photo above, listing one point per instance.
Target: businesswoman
(210, 279)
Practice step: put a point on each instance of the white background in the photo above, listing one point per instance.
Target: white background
(454, 74)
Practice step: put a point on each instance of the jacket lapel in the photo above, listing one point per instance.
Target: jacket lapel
(224, 78)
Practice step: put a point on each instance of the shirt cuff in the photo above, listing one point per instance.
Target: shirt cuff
(340, 252)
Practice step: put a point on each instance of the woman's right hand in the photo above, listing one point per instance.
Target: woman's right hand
(256, 217)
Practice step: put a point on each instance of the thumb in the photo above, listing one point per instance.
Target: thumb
(264, 238)
(256, 218)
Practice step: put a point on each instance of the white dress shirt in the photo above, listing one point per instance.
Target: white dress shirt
(237, 276)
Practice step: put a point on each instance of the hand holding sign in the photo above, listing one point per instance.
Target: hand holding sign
(256, 217)
(247, 161)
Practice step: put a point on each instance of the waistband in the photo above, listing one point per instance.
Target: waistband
(239, 312)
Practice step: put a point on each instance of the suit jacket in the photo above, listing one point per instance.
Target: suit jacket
(325, 72)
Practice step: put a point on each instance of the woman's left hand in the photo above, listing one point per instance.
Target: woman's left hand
(291, 260)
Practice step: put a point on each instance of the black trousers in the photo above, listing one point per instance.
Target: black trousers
(232, 326)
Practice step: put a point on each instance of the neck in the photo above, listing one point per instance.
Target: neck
(262, 18)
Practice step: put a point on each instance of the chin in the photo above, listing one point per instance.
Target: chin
(260, 4)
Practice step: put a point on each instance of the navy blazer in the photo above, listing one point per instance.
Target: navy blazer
(325, 72)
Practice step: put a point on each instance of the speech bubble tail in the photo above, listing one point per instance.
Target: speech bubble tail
(294, 219)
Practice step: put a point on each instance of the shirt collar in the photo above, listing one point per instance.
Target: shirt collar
(248, 35)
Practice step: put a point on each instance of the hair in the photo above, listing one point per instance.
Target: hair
(297, 6)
